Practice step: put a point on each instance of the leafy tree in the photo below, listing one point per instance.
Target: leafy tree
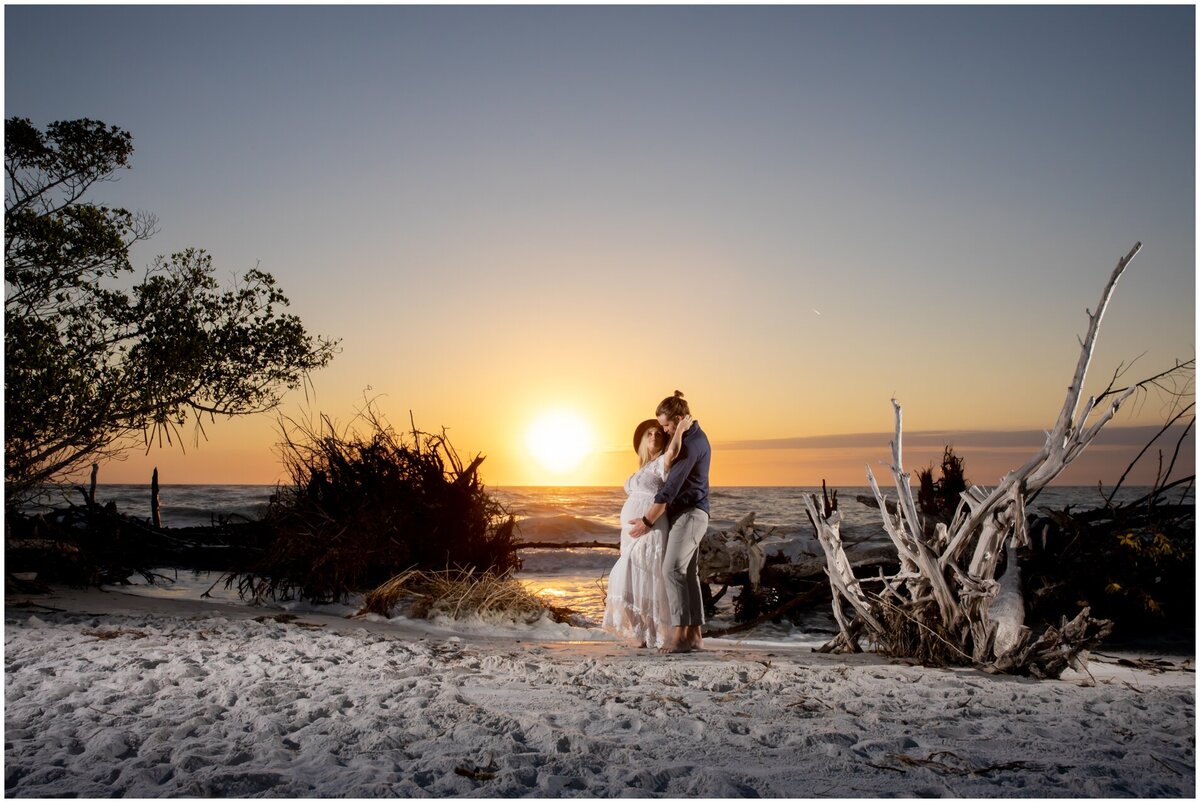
(93, 358)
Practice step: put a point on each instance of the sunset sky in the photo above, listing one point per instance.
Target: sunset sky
(792, 214)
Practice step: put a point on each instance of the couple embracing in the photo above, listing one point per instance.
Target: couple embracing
(654, 588)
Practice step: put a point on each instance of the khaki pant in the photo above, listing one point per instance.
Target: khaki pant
(681, 568)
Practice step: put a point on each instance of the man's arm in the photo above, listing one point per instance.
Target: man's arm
(679, 473)
(666, 495)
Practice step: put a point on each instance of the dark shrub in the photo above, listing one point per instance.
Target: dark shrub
(939, 499)
(362, 508)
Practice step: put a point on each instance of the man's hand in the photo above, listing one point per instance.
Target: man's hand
(652, 515)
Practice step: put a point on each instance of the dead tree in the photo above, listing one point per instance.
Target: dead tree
(946, 604)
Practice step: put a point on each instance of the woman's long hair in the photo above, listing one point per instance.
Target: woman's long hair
(644, 455)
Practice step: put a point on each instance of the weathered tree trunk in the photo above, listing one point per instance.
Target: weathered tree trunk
(1007, 611)
(945, 604)
(155, 513)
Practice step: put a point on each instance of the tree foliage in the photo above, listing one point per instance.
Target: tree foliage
(938, 499)
(95, 356)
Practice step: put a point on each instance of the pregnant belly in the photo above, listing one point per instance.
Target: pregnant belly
(636, 505)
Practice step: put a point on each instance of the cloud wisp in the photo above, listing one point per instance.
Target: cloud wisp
(961, 439)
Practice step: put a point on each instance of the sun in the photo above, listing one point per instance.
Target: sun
(559, 441)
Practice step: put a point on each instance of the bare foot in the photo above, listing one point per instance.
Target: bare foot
(667, 649)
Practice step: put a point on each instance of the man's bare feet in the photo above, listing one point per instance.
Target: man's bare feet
(683, 639)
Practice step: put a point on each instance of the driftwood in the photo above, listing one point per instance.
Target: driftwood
(946, 603)
(786, 561)
(750, 554)
(724, 555)
(1056, 649)
(89, 545)
(91, 493)
(564, 545)
(814, 594)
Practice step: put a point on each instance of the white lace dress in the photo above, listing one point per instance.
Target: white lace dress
(637, 606)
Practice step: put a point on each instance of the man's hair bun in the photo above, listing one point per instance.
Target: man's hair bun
(673, 406)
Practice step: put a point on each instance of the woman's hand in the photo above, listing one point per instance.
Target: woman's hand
(684, 423)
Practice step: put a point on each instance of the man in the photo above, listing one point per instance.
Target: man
(684, 498)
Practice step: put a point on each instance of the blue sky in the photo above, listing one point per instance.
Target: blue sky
(501, 210)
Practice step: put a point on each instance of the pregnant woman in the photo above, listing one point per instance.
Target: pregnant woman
(636, 608)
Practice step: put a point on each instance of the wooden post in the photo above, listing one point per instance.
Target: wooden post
(91, 498)
(154, 511)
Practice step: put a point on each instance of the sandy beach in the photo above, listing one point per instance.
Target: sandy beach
(116, 694)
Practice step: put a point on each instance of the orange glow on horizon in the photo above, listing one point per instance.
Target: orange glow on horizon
(596, 449)
(241, 452)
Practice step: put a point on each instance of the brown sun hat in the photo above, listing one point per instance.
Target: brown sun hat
(641, 431)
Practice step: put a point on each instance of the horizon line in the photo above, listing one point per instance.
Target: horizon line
(1130, 435)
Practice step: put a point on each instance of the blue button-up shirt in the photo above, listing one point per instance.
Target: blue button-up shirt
(687, 483)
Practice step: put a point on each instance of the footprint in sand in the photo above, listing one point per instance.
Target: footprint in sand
(110, 744)
(557, 784)
(769, 738)
(957, 731)
(240, 784)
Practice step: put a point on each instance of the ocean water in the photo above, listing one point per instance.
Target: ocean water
(572, 575)
(560, 515)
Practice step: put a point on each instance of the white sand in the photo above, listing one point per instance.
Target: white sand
(202, 700)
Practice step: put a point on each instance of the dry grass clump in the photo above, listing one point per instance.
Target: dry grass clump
(105, 635)
(917, 641)
(459, 595)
